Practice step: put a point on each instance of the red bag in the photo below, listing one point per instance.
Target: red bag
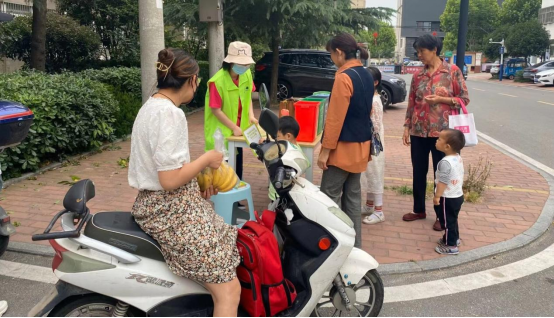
(264, 290)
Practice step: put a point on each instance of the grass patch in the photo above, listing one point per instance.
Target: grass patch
(123, 162)
(476, 181)
(403, 190)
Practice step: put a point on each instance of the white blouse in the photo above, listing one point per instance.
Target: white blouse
(159, 142)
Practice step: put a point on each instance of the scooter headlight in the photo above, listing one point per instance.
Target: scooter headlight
(342, 216)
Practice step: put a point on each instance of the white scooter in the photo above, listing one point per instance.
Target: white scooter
(114, 269)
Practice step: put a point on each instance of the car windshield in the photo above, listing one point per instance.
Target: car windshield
(540, 64)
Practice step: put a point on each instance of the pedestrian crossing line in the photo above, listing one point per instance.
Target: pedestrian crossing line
(26, 271)
(540, 101)
(464, 283)
(478, 89)
(507, 95)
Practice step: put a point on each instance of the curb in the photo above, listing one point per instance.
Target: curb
(534, 232)
(29, 248)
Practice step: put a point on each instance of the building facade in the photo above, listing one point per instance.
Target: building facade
(416, 18)
(22, 7)
(546, 17)
(358, 4)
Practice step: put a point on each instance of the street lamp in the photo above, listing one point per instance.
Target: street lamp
(502, 49)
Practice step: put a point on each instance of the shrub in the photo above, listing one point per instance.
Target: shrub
(125, 85)
(476, 182)
(68, 44)
(72, 114)
(124, 79)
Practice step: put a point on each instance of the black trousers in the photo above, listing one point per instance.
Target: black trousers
(238, 163)
(420, 149)
(448, 211)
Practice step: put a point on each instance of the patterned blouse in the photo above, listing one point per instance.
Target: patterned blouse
(426, 120)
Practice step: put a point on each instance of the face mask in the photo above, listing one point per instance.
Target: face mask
(193, 94)
(240, 69)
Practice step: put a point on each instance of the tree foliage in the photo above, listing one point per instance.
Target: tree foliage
(115, 21)
(518, 11)
(527, 38)
(386, 41)
(68, 45)
(483, 20)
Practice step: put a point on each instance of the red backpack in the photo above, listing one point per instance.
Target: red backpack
(264, 290)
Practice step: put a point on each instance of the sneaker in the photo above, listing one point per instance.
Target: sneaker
(368, 210)
(374, 218)
(3, 307)
(441, 242)
(447, 250)
(241, 206)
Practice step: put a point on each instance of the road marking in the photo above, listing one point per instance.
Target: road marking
(545, 103)
(452, 285)
(463, 283)
(506, 95)
(478, 89)
(26, 271)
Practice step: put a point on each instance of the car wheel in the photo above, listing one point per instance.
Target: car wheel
(284, 90)
(511, 77)
(386, 97)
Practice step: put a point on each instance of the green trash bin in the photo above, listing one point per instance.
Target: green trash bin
(322, 109)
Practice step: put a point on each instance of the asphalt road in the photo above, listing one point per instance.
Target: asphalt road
(531, 295)
(520, 117)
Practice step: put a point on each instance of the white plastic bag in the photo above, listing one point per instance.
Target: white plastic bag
(464, 123)
(219, 143)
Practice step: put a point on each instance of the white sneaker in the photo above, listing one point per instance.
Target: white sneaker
(368, 210)
(374, 218)
(3, 307)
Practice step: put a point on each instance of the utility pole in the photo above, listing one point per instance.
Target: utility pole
(151, 25)
(462, 34)
(216, 46)
(502, 51)
(211, 11)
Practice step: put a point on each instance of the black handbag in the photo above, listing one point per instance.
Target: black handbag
(376, 144)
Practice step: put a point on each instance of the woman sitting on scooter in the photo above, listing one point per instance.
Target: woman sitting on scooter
(194, 240)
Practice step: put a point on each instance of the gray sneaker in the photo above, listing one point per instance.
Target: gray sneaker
(448, 250)
(441, 242)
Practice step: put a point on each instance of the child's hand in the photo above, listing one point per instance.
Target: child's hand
(436, 200)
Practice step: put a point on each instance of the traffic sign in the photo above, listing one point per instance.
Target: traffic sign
(501, 50)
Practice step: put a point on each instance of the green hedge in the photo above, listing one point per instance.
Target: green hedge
(125, 85)
(72, 114)
(204, 74)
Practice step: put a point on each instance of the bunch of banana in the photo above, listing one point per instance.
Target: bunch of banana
(224, 178)
(205, 179)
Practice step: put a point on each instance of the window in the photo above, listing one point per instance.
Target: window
(326, 62)
(546, 15)
(18, 9)
(310, 60)
(423, 26)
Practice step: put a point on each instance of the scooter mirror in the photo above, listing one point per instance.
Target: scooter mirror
(269, 122)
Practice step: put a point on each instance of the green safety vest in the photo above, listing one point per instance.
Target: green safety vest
(230, 95)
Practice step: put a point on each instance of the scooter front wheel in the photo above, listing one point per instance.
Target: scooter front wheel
(4, 240)
(367, 296)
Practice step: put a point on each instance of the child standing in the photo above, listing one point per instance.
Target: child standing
(288, 130)
(375, 172)
(449, 195)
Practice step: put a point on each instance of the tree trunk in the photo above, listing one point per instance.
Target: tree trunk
(38, 36)
(275, 42)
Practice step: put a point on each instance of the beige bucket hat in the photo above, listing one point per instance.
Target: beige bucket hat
(239, 53)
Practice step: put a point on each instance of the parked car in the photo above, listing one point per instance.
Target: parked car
(545, 77)
(303, 72)
(465, 71)
(530, 72)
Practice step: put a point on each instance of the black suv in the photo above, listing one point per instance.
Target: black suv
(303, 72)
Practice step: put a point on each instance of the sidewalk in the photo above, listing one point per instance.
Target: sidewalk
(486, 77)
(510, 207)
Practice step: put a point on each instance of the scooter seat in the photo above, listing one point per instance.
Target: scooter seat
(120, 230)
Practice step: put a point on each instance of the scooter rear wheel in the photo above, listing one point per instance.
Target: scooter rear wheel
(4, 240)
(92, 305)
(367, 295)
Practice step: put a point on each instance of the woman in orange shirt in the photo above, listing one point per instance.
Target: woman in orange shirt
(345, 147)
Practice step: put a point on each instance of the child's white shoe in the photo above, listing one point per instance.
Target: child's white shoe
(368, 210)
(3, 307)
(374, 218)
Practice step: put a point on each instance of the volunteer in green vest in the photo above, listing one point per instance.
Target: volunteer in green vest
(229, 98)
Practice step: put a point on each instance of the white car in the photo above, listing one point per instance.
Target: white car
(545, 77)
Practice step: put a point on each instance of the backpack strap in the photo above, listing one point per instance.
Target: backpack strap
(267, 219)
